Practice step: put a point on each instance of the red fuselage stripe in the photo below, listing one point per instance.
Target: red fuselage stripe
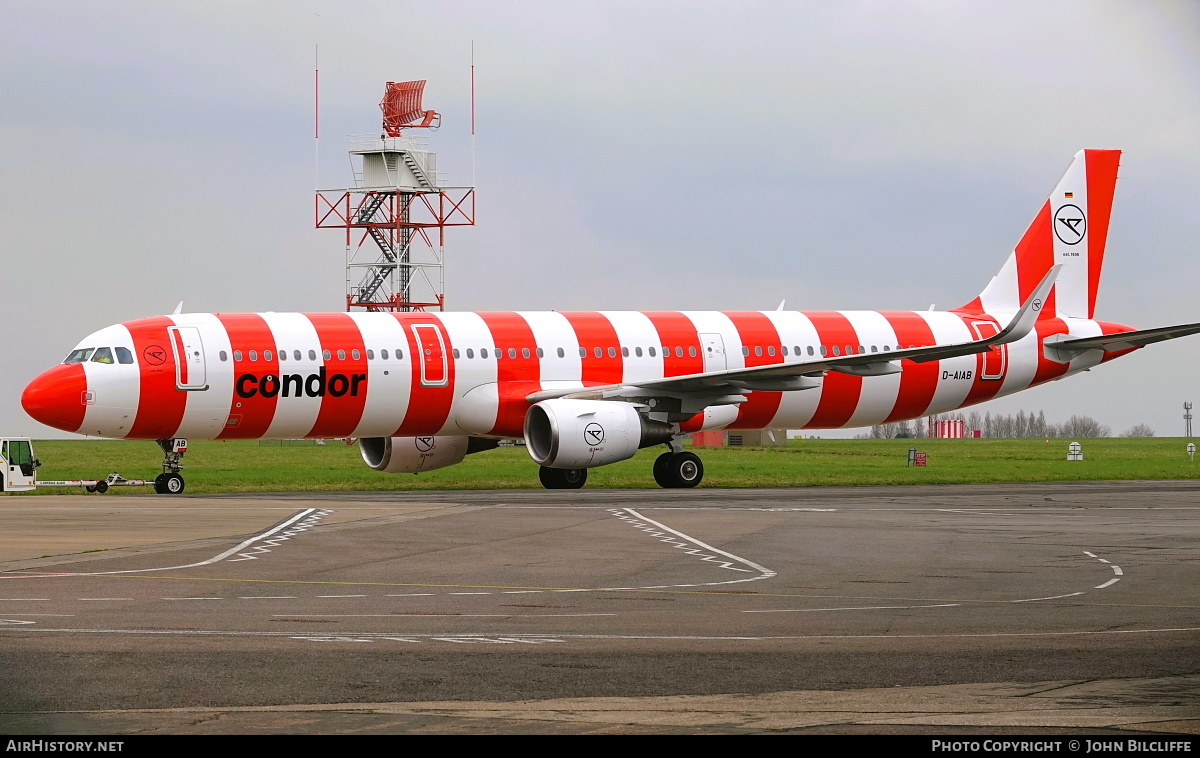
(602, 362)
(250, 417)
(429, 407)
(677, 330)
(760, 336)
(341, 406)
(161, 403)
(918, 381)
(518, 369)
(839, 392)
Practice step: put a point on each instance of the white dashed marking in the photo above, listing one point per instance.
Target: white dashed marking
(689, 545)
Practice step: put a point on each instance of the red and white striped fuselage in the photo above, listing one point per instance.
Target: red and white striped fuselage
(293, 375)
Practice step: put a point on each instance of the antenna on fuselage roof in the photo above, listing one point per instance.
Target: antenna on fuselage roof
(781, 302)
(931, 306)
(178, 309)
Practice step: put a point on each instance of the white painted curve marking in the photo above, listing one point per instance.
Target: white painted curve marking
(1052, 597)
(215, 559)
(685, 542)
(1116, 570)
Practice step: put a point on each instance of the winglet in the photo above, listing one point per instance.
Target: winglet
(1027, 316)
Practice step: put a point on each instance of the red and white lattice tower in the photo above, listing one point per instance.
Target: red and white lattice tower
(396, 214)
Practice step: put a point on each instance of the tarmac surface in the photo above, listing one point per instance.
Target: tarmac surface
(966, 609)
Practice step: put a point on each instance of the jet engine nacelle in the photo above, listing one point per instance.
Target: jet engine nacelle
(568, 433)
(408, 455)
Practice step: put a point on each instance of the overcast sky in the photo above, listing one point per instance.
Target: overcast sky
(629, 155)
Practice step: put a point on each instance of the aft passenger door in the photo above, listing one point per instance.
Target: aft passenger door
(995, 360)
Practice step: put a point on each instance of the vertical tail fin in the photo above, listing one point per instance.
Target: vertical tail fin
(1071, 228)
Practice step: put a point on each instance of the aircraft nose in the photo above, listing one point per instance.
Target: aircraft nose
(58, 397)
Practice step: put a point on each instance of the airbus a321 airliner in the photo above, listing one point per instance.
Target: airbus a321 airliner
(420, 391)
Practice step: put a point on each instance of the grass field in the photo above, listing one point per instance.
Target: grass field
(238, 466)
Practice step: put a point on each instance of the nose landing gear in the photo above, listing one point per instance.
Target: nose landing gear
(170, 481)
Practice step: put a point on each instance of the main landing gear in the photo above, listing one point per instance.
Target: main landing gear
(562, 478)
(673, 470)
(170, 481)
(678, 470)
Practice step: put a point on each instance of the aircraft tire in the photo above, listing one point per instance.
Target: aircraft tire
(169, 484)
(678, 470)
(562, 478)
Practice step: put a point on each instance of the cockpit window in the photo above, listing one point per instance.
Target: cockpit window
(123, 355)
(79, 356)
(103, 355)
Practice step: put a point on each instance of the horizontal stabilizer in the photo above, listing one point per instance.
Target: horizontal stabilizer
(1127, 340)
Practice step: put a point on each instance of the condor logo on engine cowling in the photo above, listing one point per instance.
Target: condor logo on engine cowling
(295, 385)
(593, 434)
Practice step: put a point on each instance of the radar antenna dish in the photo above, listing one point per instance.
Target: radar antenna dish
(401, 106)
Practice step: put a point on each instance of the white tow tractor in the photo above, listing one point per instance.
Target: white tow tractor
(20, 472)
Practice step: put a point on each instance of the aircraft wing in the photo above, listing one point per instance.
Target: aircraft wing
(1127, 340)
(800, 375)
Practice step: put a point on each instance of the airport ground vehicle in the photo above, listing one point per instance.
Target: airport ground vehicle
(20, 471)
(423, 390)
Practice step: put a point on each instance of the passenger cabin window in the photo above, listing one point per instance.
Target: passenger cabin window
(79, 356)
(652, 355)
(326, 355)
(237, 355)
(678, 351)
(356, 355)
(266, 355)
(253, 355)
(637, 351)
(341, 355)
(312, 355)
(455, 352)
(295, 355)
(562, 353)
(612, 352)
(384, 354)
(103, 355)
(224, 356)
(692, 351)
(370, 354)
(624, 352)
(470, 352)
(524, 352)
